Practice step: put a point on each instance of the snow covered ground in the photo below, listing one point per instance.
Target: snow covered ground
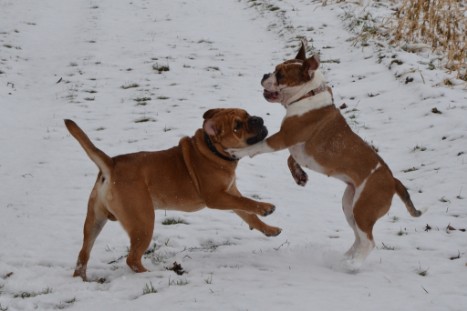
(101, 63)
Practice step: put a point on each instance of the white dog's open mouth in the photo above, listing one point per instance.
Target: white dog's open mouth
(271, 96)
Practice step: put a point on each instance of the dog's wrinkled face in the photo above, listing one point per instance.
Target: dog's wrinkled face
(233, 128)
(288, 77)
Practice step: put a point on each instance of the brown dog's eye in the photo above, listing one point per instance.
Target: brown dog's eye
(238, 126)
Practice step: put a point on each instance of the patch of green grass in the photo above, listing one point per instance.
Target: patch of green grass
(411, 169)
(208, 280)
(402, 232)
(333, 61)
(458, 256)
(179, 282)
(142, 99)
(388, 247)
(205, 41)
(173, 221)
(444, 200)
(167, 129)
(212, 68)
(419, 148)
(160, 68)
(129, 86)
(256, 197)
(66, 304)
(143, 120)
(149, 289)
(422, 272)
(273, 8)
(151, 250)
(25, 295)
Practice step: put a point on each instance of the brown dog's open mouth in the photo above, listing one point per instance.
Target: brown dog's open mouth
(262, 133)
(271, 96)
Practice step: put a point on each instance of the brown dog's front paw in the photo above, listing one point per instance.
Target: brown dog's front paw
(267, 209)
(271, 231)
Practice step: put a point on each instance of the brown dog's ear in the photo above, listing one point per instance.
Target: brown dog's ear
(311, 64)
(210, 113)
(301, 55)
(210, 128)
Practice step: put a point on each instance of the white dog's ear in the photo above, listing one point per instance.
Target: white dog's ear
(311, 64)
(301, 55)
(210, 128)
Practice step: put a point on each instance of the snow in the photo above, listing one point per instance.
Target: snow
(72, 59)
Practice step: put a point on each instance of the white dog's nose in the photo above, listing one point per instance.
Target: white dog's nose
(266, 75)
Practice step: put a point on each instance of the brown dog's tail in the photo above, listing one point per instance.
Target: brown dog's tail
(405, 197)
(103, 161)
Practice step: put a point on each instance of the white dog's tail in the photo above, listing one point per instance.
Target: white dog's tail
(405, 197)
(103, 161)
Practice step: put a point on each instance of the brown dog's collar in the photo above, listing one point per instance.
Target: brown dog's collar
(313, 92)
(215, 151)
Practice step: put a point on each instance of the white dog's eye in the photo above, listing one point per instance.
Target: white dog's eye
(279, 76)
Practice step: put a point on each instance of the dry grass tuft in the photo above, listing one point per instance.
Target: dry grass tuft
(440, 24)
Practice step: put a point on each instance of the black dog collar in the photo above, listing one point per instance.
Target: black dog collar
(215, 151)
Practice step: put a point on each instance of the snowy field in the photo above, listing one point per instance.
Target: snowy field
(138, 75)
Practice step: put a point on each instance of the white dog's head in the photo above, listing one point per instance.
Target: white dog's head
(292, 78)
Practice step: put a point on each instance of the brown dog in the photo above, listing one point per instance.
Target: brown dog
(188, 177)
(319, 138)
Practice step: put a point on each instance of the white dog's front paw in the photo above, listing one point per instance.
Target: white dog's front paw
(238, 153)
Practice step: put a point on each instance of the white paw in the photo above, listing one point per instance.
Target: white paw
(351, 265)
(239, 153)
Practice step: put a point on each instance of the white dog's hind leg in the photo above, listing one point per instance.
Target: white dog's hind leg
(357, 254)
(347, 207)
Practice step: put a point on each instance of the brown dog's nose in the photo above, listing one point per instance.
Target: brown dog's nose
(255, 122)
(266, 75)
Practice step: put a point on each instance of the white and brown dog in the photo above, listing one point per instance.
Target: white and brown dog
(188, 177)
(319, 138)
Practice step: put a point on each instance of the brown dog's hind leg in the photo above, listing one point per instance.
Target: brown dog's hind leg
(139, 240)
(255, 223)
(95, 221)
(136, 214)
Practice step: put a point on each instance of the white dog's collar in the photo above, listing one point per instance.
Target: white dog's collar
(321, 88)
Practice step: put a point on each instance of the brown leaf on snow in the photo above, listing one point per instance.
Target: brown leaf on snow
(177, 268)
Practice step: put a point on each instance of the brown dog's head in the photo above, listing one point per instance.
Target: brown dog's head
(290, 77)
(233, 128)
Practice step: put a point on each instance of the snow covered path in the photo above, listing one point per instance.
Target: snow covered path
(138, 76)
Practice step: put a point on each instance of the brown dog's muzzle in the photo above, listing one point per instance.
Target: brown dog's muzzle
(256, 126)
